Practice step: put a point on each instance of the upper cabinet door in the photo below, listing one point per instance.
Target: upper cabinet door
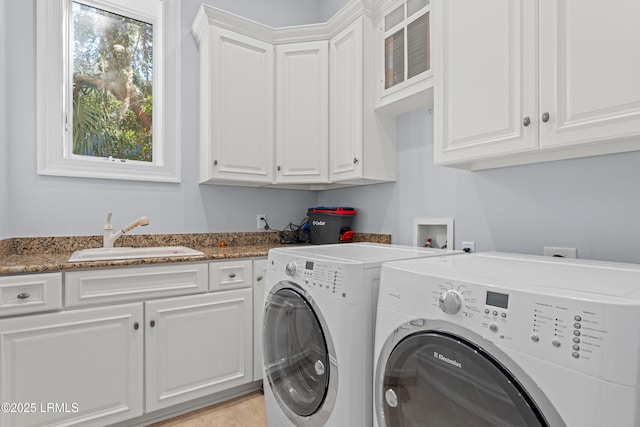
(302, 110)
(590, 71)
(485, 78)
(242, 113)
(346, 97)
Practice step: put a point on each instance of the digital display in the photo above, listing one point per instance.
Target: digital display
(309, 265)
(497, 300)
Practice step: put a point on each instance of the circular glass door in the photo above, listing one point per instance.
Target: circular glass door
(296, 353)
(436, 378)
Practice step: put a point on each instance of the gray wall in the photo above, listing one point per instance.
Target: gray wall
(4, 150)
(275, 13)
(592, 204)
(328, 8)
(45, 205)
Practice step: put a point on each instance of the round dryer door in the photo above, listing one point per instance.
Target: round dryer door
(297, 355)
(436, 379)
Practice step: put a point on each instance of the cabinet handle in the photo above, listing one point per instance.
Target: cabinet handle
(259, 278)
(278, 168)
(152, 323)
(136, 326)
(215, 163)
(355, 160)
(232, 275)
(23, 295)
(545, 117)
(526, 121)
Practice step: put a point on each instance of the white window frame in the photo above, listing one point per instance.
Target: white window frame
(53, 80)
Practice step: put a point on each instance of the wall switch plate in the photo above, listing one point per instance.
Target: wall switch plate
(469, 247)
(560, 252)
(260, 221)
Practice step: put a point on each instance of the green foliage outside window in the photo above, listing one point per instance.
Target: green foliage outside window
(112, 85)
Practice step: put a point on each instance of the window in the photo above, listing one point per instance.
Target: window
(110, 108)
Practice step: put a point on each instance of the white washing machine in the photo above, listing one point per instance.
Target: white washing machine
(507, 340)
(318, 331)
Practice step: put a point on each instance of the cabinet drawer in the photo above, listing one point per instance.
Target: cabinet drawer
(30, 293)
(230, 275)
(133, 284)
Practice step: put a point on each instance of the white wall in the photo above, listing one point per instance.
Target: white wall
(4, 151)
(591, 203)
(45, 205)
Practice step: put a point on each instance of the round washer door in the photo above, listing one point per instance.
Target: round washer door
(299, 356)
(436, 378)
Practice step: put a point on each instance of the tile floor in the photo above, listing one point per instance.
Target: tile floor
(243, 411)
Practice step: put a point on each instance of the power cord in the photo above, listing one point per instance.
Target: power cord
(292, 233)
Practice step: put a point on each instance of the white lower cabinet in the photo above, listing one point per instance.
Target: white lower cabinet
(96, 366)
(197, 345)
(259, 279)
(80, 367)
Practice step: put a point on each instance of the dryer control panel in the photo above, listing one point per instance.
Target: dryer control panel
(586, 335)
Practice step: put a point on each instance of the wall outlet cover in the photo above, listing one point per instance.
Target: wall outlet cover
(260, 221)
(469, 247)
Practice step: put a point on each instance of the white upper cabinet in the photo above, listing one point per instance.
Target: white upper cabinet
(302, 110)
(361, 141)
(589, 72)
(237, 113)
(485, 79)
(304, 120)
(403, 56)
(346, 103)
(522, 82)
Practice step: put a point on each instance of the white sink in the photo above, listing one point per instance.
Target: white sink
(103, 254)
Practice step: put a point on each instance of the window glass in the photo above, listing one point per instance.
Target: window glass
(394, 59)
(112, 90)
(418, 54)
(108, 90)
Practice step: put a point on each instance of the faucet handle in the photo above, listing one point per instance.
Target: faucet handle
(107, 225)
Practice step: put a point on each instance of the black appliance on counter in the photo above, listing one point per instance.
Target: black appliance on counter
(330, 224)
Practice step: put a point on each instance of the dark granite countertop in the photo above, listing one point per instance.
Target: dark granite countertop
(48, 254)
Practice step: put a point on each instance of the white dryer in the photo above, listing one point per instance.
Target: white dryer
(507, 340)
(318, 331)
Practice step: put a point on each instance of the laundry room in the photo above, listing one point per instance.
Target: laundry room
(519, 124)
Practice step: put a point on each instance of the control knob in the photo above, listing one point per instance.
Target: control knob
(291, 268)
(450, 301)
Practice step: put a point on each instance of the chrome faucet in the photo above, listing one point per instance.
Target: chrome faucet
(109, 237)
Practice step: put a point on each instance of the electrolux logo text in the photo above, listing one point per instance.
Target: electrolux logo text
(447, 360)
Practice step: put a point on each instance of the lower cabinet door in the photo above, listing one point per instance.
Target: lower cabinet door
(76, 367)
(197, 345)
(259, 278)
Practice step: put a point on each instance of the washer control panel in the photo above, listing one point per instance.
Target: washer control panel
(320, 276)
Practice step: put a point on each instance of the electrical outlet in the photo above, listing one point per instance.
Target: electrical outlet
(260, 221)
(469, 247)
(560, 252)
